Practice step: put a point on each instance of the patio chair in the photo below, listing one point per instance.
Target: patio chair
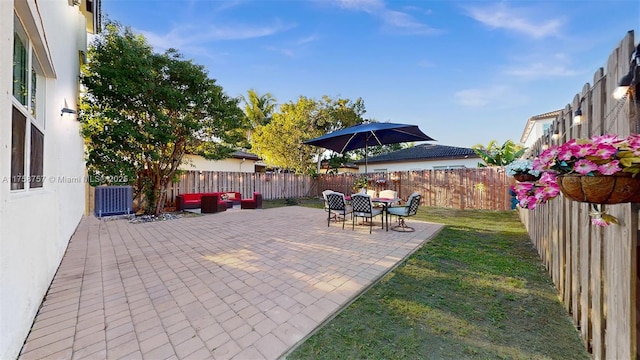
(254, 203)
(371, 193)
(389, 194)
(326, 203)
(363, 207)
(403, 212)
(338, 204)
(211, 203)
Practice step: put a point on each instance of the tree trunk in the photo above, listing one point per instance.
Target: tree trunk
(161, 194)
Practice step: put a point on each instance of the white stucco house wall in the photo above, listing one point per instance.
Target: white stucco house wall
(422, 157)
(537, 126)
(41, 152)
(240, 161)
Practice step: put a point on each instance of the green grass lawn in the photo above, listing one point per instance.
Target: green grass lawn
(476, 291)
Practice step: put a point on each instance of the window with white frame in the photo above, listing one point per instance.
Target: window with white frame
(27, 123)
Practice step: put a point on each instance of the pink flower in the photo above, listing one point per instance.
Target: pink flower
(599, 221)
(530, 194)
(565, 153)
(545, 159)
(551, 190)
(582, 150)
(584, 166)
(540, 194)
(601, 218)
(548, 178)
(605, 139)
(538, 165)
(522, 189)
(528, 202)
(605, 151)
(634, 142)
(610, 168)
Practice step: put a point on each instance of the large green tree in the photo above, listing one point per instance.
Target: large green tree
(142, 111)
(259, 108)
(279, 143)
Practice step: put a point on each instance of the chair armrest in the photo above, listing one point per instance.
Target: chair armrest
(258, 198)
(179, 202)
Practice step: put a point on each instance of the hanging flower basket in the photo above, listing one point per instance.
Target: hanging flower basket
(526, 177)
(600, 189)
(522, 171)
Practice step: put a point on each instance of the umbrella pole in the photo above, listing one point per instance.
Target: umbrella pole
(365, 158)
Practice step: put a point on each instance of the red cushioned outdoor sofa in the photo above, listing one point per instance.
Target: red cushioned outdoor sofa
(193, 201)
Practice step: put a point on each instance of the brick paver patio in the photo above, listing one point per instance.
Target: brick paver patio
(242, 284)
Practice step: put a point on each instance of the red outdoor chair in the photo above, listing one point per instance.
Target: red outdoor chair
(212, 204)
(254, 203)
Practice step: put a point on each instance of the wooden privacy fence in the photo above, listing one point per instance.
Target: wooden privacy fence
(271, 185)
(594, 268)
(481, 188)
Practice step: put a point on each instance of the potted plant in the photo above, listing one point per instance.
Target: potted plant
(361, 183)
(532, 194)
(598, 170)
(522, 170)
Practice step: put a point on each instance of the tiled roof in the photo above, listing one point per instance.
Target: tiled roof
(550, 114)
(239, 154)
(424, 152)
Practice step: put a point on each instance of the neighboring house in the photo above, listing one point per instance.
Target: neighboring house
(422, 157)
(537, 126)
(42, 192)
(345, 168)
(240, 161)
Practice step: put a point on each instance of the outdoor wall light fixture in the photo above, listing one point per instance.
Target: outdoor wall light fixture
(66, 110)
(556, 135)
(577, 115)
(632, 78)
(623, 86)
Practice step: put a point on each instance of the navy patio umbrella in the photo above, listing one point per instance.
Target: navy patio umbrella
(368, 134)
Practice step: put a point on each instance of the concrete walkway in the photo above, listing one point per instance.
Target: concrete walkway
(242, 284)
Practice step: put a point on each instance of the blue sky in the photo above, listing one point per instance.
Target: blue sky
(465, 72)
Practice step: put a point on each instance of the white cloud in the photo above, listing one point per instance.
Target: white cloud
(368, 6)
(496, 96)
(501, 16)
(541, 70)
(405, 22)
(282, 50)
(188, 36)
(537, 67)
(394, 19)
(295, 47)
(307, 40)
